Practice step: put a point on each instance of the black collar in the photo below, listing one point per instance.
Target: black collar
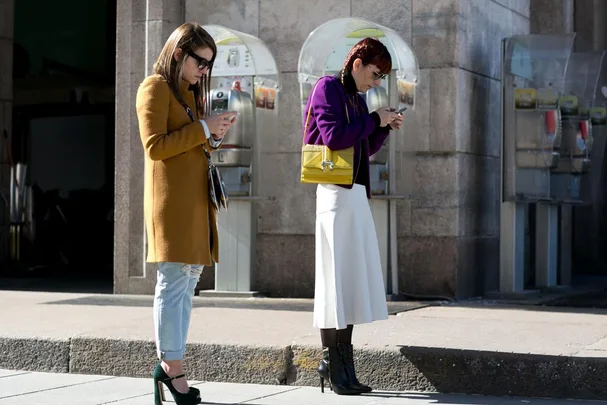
(349, 83)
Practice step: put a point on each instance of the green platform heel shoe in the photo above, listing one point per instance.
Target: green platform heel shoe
(161, 377)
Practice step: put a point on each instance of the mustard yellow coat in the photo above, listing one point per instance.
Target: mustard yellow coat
(181, 224)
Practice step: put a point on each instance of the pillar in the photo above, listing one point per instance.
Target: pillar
(142, 30)
(452, 152)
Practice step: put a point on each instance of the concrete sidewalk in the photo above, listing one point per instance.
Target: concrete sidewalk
(478, 348)
(17, 388)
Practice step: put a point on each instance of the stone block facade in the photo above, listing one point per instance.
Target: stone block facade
(448, 158)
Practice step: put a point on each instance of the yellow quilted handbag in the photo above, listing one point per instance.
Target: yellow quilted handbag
(321, 165)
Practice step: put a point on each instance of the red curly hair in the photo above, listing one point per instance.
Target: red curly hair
(371, 52)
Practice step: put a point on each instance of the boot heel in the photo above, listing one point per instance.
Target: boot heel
(322, 385)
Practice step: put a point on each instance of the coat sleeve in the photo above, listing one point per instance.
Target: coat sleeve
(153, 114)
(329, 110)
(379, 135)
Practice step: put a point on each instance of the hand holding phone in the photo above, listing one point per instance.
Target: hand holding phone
(402, 110)
(398, 121)
(386, 115)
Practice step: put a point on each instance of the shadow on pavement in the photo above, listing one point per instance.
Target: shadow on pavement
(275, 304)
(456, 371)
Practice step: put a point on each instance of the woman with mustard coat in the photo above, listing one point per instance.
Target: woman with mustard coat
(176, 126)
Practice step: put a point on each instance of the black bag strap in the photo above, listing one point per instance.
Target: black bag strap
(191, 114)
(215, 179)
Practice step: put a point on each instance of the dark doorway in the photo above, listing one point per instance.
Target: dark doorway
(62, 149)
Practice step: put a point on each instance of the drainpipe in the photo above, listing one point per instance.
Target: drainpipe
(599, 25)
(568, 16)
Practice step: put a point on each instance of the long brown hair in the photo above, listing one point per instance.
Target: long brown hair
(187, 37)
(371, 52)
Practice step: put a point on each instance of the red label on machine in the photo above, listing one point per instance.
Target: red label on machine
(583, 132)
(551, 118)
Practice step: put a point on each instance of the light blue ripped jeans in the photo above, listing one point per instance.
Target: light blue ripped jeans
(173, 307)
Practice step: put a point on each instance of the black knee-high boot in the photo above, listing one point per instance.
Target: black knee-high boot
(333, 368)
(347, 353)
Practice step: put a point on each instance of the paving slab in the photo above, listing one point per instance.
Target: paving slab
(89, 392)
(70, 389)
(215, 392)
(31, 383)
(512, 330)
(8, 373)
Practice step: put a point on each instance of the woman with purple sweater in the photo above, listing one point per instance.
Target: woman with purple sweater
(349, 287)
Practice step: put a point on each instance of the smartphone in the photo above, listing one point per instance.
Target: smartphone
(402, 110)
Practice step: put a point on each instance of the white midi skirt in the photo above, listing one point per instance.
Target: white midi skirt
(349, 288)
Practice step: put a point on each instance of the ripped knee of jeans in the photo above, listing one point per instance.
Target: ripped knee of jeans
(196, 271)
(185, 269)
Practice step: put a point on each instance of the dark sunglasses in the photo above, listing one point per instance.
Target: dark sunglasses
(378, 76)
(202, 62)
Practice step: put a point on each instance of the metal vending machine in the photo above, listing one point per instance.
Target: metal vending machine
(245, 79)
(322, 54)
(533, 82)
(576, 130)
(576, 148)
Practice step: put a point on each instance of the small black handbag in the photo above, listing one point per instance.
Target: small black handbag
(218, 195)
(217, 189)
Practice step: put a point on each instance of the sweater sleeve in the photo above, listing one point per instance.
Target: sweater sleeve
(329, 109)
(377, 139)
(153, 114)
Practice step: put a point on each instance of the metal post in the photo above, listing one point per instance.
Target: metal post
(566, 243)
(233, 273)
(512, 247)
(546, 252)
(379, 210)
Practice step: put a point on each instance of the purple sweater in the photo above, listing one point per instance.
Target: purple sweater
(329, 125)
